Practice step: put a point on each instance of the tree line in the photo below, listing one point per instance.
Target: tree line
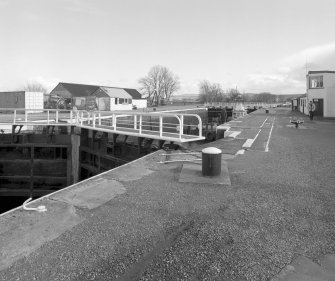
(213, 93)
(160, 84)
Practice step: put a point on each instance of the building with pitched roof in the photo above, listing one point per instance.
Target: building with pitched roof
(109, 98)
(98, 97)
(138, 101)
(321, 90)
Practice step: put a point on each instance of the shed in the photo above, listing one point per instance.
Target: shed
(22, 99)
(75, 94)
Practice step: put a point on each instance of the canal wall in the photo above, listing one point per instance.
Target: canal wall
(46, 159)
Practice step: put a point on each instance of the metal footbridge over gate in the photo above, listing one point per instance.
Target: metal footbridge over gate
(175, 127)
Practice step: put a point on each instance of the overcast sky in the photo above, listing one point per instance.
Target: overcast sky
(256, 45)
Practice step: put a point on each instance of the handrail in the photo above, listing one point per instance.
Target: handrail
(156, 125)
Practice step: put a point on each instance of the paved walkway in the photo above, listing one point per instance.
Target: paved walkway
(271, 217)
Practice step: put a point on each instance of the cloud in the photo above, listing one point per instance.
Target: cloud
(29, 16)
(82, 7)
(188, 86)
(275, 83)
(289, 77)
(4, 3)
(318, 56)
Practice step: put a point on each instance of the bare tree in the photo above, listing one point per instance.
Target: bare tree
(265, 97)
(210, 92)
(38, 87)
(233, 95)
(160, 83)
(35, 87)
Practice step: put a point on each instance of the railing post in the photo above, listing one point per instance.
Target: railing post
(135, 122)
(88, 118)
(93, 120)
(160, 126)
(26, 115)
(99, 115)
(140, 125)
(57, 116)
(114, 121)
(71, 115)
(48, 117)
(200, 127)
(181, 128)
(81, 118)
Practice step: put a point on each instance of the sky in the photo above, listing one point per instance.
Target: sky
(254, 45)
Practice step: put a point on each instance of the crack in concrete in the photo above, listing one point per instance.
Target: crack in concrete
(168, 240)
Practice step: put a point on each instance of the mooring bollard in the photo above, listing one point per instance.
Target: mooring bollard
(220, 131)
(211, 161)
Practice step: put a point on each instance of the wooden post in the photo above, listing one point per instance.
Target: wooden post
(69, 177)
(139, 142)
(14, 117)
(32, 155)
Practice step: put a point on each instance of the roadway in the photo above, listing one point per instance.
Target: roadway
(273, 214)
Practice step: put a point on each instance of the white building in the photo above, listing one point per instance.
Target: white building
(137, 99)
(120, 99)
(109, 98)
(321, 89)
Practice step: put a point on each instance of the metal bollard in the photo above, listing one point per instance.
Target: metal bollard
(211, 161)
(220, 132)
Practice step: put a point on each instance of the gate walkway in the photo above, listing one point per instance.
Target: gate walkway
(176, 127)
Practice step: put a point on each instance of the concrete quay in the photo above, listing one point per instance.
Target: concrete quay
(269, 216)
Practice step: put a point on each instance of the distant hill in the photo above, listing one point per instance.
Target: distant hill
(181, 97)
(247, 96)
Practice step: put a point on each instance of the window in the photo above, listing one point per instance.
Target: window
(116, 99)
(121, 100)
(315, 82)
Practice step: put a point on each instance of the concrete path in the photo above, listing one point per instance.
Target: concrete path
(304, 269)
(275, 220)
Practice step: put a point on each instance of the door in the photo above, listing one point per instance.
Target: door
(319, 107)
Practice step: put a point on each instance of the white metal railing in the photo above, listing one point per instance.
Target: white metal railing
(168, 126)
(156, 125)
(35, 116)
